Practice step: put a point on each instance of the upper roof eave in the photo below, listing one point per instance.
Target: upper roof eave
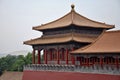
(72, 18)
(111, 27)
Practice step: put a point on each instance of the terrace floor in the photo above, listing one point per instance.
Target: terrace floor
(54, 75)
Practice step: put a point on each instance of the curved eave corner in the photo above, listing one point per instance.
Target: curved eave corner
(27, 43)
(38, 27)
(110, 26)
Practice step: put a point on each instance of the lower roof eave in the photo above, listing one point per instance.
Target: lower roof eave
(32, 44)
(77, 53)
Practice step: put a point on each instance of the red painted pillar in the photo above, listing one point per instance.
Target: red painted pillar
(73, 58)
(84, 61)
(80, 59)
(58, 57)
(63, 56)
(50, 54)
(45, 53)
(39, 56)
(107, 60)
(117, 62)
(93, 60)
(33, 56)
(66, 56)
(87, 61)
(101, 61)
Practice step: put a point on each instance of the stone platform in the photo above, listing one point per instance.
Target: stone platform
(54, 75)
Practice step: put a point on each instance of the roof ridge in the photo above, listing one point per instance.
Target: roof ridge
(72, 17)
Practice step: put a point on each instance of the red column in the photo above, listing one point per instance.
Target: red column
(80, 59)
(73, 58)
(63, 56)
(66, 56)
(58, 57)
(84, 61)
(39, 60)
(50, 54)
(101, 61)
(87, 61)
(33, 56)
(107, 60)
(45, 53)
(117, 62)
(93, 60)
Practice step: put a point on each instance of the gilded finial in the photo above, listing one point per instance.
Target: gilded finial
(72, 6)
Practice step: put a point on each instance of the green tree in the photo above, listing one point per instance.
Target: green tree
(7, 62)
(18, 65)
(10, 60)
(0, 72)
(21, 61)
(28, 58)
(15, 63)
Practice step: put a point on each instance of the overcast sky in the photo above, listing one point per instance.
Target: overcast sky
(17, 17)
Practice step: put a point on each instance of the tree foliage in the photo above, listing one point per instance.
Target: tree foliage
(14, 63)
(0, 72)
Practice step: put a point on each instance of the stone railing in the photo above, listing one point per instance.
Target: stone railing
(106, 69)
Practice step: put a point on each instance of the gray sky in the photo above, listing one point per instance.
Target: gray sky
(17, 17)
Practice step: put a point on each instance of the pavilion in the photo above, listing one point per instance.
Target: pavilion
(66, 34)
(73, 44)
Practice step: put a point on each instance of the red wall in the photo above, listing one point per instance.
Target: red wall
(47, 75)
